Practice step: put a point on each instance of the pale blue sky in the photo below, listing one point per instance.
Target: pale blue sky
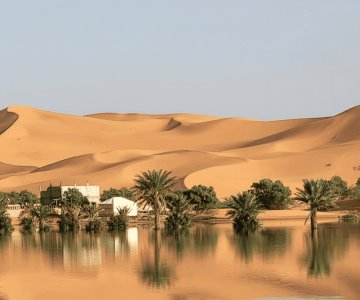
(269, 59)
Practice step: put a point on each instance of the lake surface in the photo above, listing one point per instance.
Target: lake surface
(208, 262)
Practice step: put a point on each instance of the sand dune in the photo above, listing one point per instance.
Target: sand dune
(110, 149)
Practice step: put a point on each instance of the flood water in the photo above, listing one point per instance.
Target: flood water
(209, 262)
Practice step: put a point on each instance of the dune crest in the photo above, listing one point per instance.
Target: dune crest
(109, 149)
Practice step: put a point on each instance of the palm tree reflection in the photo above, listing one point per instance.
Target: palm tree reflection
(267, 242)
(324, 246)
(199, 241)
(156, 273)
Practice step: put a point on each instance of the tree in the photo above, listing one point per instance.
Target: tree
(338, 187)
(317, 194)
(151, 188)
(271, 195)
(74, 197)
(123, 192)
(27, 199)
(5, 220)
(179, 216)
(201, 197)
(358, 182)
(244, 210)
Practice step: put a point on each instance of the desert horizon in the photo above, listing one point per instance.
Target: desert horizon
(109, 149)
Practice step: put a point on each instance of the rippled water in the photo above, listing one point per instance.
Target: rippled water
(208, 262)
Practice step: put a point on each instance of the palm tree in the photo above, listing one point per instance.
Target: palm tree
(91, 212)
(41, 214)
(151, 188)
(316, 193)
(179, 216)
(71, 214)
(244, 210)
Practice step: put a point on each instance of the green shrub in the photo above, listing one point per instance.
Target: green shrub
(93, 226)
(27, 224)
(350, 217)
(117, 223)
(5, 224)
(68, 223)
(5, 220)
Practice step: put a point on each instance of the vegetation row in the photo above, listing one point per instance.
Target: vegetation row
(156, 190)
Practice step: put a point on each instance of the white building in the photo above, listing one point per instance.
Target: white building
(110, 207)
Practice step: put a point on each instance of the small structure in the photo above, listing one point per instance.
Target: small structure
(110, 207)
(54, 194)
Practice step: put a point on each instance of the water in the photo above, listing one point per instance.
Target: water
(208, 262)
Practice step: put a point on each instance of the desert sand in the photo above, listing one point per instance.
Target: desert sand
(39, 147)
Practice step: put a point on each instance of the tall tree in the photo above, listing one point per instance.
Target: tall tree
(317, 194)
(201, 197)
(270, 194)
(338, 186)
(151, 188)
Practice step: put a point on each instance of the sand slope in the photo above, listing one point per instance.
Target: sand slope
(229, 153)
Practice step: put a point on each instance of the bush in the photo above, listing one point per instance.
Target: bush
(350, 217)
(271, 195)
(93, 226)
(27, 224)
(5, 220)
(68, 223)
(117, 223)
(5, 224)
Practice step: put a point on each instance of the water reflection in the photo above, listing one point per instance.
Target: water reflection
(158, 266)
(323, 246)
(267, 242)
(140, 258)
(205, 239)
(155, 270)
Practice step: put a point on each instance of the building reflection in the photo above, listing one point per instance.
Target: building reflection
(76, 251)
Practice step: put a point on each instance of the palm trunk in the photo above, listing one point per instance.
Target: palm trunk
(157, 220)
(313, 219)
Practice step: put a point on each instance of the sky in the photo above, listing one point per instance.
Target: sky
(258, 59)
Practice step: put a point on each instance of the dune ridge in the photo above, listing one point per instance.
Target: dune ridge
(109, 149)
